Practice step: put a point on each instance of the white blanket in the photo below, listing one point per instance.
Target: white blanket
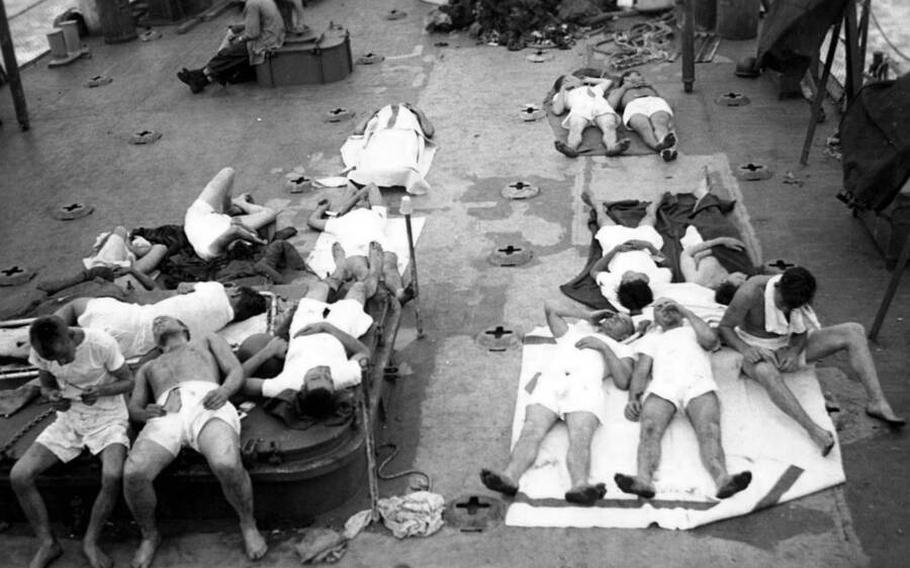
(756, 436)
(323, 264)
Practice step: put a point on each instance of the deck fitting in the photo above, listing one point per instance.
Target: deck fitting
(71, 211)
(339, 114)
(732, 99)
(499, 338)
(752, 171)
(15, 275)
(511, 255)
(531, 113)
(474, 513)
(520, 190)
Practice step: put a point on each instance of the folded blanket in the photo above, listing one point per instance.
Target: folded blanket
(756, 436)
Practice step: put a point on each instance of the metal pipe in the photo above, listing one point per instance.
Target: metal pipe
(12, 70)
(820, 91)
(406, 210)
(688, 45)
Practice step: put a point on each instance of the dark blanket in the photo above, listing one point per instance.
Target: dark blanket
(792, 33)
(875, 141)
(674, 214)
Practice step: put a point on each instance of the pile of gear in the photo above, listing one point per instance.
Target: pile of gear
(538, 24)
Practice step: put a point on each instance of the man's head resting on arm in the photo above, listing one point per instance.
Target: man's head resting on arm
(569, 81)
(246, 302)
(51, 339)
(317, 398)
(616, 326)
(633, 291)
(795, 289)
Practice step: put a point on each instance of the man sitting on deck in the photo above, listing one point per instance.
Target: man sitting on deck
(323, 354)
(245, 46)
(189, 407)
(771, 322)
(584, 99)
(571, 389)
(205, 308)
(361, 220)
(630, 257)
(676, 357)
(645, 112)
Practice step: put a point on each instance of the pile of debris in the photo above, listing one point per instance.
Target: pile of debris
(517, 24)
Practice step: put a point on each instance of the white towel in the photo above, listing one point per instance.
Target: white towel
(323, 264)
(756, 436)
(801, 319)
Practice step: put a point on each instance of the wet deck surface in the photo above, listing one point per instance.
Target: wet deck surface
(454, 411)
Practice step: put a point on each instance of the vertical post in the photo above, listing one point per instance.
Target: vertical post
(12, 70)
(820, 89)
(369, 441)
(892, 288)
(406, 210)
(688, 45)
(854, 63)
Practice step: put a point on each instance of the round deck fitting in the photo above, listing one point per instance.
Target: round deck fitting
(499, 338)
(98, 81)
(511, 255)
(339, 114)
(780, 265)
(71, 211)
(520, 190)
(15, 275)
(297, 183)
(370, 58)
(145, 137)
(539, 56)
(149, 35)
(474, 513)
(530, 113)
(394, 14)
(732, 99)
(752, 172)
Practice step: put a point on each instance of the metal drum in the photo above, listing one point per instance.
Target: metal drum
(325, 58)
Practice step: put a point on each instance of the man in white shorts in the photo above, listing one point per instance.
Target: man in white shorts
(571, 389)
(324, 354)
(771, 322)
(189, 407)
(204, 308)
(215, 219)
(647, 113)
(84, 375)
(676, 357)
(360, 221)
(584, 99)
(629, 266)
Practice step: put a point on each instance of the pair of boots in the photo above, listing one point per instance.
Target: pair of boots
(196, 79)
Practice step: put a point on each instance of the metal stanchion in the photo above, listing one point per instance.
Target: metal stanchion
(406, 210)
(370, 443)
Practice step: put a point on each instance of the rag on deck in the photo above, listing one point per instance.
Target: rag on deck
(415, 514)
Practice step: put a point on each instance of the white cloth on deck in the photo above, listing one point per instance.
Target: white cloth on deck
(392, 151)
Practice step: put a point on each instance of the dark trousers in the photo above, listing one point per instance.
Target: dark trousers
(232, 65)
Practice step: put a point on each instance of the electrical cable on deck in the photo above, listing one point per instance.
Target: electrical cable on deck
(389, 476)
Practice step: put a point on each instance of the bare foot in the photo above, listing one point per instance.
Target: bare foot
(587, 197)
(255, 545)
(618, 148)
(631, 484)
(882, 411)
(733, 484)
(498, 482)
(338, 254)
(95, 556)
(420, 187)
(563, 148)
(824, 440)
(586, 494)
(47, 553)
(146, 552)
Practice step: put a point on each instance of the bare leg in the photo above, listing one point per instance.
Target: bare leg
(576, 128)
(655, 417)
(851, 337)
(221, 447)
(150, 260)
(608, 124)
(783, 398)
(640, 124)
(374, 275)
(254, 216)
(704, 413)
(145, 462)
(598, 205)
(393, 278)
(217, 192)
(664, 129)
(650, 217)
(36, 460)
(538, 421)
(112, 458)
(578, 459)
